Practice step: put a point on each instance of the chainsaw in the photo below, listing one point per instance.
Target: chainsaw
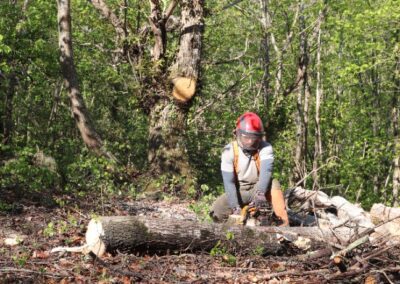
(256, 216)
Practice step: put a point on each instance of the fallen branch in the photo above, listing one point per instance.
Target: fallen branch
(295, 273)
(350, 247)
(315, 254)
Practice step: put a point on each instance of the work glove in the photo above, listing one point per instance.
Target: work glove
(285, 223)
(259, 200)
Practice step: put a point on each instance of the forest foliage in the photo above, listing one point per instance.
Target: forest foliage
(251, 53)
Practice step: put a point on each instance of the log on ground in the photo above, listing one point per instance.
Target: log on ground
(149, 234)
(390, 227)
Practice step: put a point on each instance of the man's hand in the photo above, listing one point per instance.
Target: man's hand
(236, 211)
(236, 217)
(259, 200)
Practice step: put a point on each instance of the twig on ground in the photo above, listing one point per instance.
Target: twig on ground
(295, 273)
(23, 270)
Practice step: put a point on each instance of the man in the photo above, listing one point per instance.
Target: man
(246, 166)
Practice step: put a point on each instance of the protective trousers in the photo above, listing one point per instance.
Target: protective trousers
(220, 210)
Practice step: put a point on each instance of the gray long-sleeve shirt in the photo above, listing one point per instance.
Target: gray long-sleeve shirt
(247, 174)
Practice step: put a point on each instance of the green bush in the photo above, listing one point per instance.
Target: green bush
(22, 172)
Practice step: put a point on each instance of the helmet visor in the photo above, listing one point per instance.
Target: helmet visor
(249, 142)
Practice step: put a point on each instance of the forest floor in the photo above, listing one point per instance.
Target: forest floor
(39, 229)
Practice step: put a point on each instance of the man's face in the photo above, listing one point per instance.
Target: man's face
(249, 142)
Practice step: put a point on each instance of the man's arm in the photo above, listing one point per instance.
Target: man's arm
(228, 176)
(230, 189)
(266, 167)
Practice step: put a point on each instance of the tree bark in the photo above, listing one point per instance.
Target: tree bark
(147, 234)
(167, 152)
(78, 107)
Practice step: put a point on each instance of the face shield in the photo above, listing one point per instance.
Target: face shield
(249, 142)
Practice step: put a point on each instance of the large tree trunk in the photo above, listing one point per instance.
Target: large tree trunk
(147, 234)
(167, 151)
(78, 107)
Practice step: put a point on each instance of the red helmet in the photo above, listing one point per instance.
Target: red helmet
(249, 131)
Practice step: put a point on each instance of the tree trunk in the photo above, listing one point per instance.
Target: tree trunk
(167, 151)
(158, 27)
(265, 48)
(396, 135)
(78, 107)
(318, 99)
(147, 234)
(299, 170)
(8, 109)
(375, 116)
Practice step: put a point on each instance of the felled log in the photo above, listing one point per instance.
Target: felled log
(382, 213)
(149, 234)
(390, 229)
(343, 218)
(309, 199)
(352, 212)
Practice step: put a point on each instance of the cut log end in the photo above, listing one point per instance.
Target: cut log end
(184, 88)
(93, 238)
(339, 262)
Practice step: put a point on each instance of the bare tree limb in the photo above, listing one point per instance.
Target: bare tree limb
(102, 7)
(157, 24)
(170, 10)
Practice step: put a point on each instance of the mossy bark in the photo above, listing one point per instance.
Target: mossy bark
(167, 150)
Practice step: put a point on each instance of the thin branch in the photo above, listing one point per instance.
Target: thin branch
(321, 272)
(102, 7)
(158, 27)
(231, 4)
(170, 10)
(351, 246)
(314, 171)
